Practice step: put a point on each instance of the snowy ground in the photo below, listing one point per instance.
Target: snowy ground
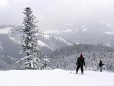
(55, 78)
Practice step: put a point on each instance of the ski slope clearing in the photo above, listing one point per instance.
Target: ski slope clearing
(55, 78)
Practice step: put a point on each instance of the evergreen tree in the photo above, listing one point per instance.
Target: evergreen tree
(29, 41)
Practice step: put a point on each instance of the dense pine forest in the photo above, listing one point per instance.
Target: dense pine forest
(65, 58)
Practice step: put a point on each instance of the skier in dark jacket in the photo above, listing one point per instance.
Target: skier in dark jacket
(80, 63)
(101, 65)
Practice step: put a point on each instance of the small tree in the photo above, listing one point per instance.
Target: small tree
(29, 41)
(46, 62)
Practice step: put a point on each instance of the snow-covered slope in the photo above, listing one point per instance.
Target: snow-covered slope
(55, 78)
(52, 41)
(5, 30)
(42, 44)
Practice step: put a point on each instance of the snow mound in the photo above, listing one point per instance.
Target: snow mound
(55, 78)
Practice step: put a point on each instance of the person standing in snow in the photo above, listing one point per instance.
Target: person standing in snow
(101, 65)
(80, 63)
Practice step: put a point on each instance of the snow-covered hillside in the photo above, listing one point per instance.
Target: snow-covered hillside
(53, 42)
(55, 78)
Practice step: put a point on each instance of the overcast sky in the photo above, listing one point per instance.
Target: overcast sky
(54, 13)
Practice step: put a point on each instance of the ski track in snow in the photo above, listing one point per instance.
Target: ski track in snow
(56, 77)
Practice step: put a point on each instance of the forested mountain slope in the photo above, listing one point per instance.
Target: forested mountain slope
(65, 58)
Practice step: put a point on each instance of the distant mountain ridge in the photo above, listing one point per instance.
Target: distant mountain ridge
(92, 33)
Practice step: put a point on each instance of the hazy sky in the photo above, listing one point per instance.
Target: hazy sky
(57, 13)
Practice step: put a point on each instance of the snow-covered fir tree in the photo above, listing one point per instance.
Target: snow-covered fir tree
(29, 41)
